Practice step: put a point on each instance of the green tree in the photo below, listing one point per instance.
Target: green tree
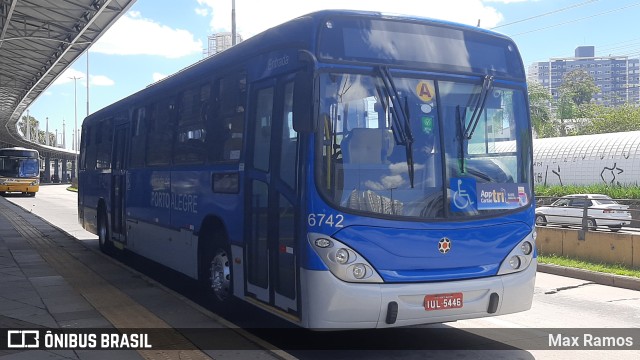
(578, 87)
(540, 101)
(611, 119)
(575, 94)
(34, 126)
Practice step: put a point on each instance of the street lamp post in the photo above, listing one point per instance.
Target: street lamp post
(75, 128)
(233, 22)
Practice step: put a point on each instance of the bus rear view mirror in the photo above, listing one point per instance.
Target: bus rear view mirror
(303, 103)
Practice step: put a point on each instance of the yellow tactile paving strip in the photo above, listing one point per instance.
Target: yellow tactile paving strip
(117, 307)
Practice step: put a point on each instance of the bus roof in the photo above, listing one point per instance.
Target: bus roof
(18, 151)
(301, 32)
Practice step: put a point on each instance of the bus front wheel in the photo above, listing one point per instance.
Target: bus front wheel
(220, 275)
(216, 276)
(106, 246)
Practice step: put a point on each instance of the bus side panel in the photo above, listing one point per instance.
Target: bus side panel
(195, 199)
(148, 196)
(93, 190)
(165, 210)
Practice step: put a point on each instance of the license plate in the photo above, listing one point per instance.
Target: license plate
(443, 301)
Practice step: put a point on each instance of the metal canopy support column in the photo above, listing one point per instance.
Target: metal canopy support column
(47, 169)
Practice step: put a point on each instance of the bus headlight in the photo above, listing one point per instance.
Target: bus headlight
(514, 262)
(526, 247)
(359, 271)
(342, 256)
(520, 256)
(343, 262)
(323, 243)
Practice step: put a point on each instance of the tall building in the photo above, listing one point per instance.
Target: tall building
(220, 42)
(618, 77)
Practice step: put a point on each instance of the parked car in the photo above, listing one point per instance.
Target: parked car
(602, 211)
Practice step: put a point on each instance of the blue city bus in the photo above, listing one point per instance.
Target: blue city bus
(341, 170)
(19, 171)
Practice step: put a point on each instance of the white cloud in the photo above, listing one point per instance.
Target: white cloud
(202, 11)
(134, 35)
(251, 19)
(68, 76)
(81, 79)
(509, 1)
(101, 80)
(158, 76)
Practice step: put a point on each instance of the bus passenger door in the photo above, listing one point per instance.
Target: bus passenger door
(119, 183)
(270, 216)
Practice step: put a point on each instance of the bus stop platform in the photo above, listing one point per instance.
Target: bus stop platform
(49, 280)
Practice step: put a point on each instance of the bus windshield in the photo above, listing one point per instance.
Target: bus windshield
(18, 167)
(463, 146)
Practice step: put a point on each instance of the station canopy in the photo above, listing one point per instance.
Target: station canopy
(39, 40)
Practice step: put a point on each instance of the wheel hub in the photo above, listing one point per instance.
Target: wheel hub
(220, 275)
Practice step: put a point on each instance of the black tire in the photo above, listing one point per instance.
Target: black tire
(615, 228)
(591, 224)
(216, 275)
(541, 220)
(106, 246)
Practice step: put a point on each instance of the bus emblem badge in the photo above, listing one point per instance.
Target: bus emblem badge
(444, 245)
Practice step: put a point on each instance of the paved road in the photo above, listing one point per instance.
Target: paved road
(559, 303)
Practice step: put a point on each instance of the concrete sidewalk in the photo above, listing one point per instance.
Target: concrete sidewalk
(48, 279)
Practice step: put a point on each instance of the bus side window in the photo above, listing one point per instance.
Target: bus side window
(139, 138)
(83, 147)
(189, 142)
(289, 140)
(262, 133)
(104, 139)
(160, 138)
(233, 144)
(225, 119)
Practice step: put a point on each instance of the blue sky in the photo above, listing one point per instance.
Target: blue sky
(156, 38)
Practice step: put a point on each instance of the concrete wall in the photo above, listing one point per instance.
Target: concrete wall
(598, 246)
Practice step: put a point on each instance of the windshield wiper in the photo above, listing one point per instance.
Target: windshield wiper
(401, 120)
(468, 131)
(462, 137)
(487, 84)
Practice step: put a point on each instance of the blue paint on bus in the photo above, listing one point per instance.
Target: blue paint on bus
(343, 157)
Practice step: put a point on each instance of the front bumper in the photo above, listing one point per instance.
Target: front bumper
(19, 188)
(335, 304)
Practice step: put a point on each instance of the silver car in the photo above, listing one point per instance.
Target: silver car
(568, 210)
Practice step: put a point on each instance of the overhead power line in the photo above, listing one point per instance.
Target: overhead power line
(545, 14)
(576, 20)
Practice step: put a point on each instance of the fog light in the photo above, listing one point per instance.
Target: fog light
(526, 247)
(342, 256)
(359, 271)
(514, 262)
